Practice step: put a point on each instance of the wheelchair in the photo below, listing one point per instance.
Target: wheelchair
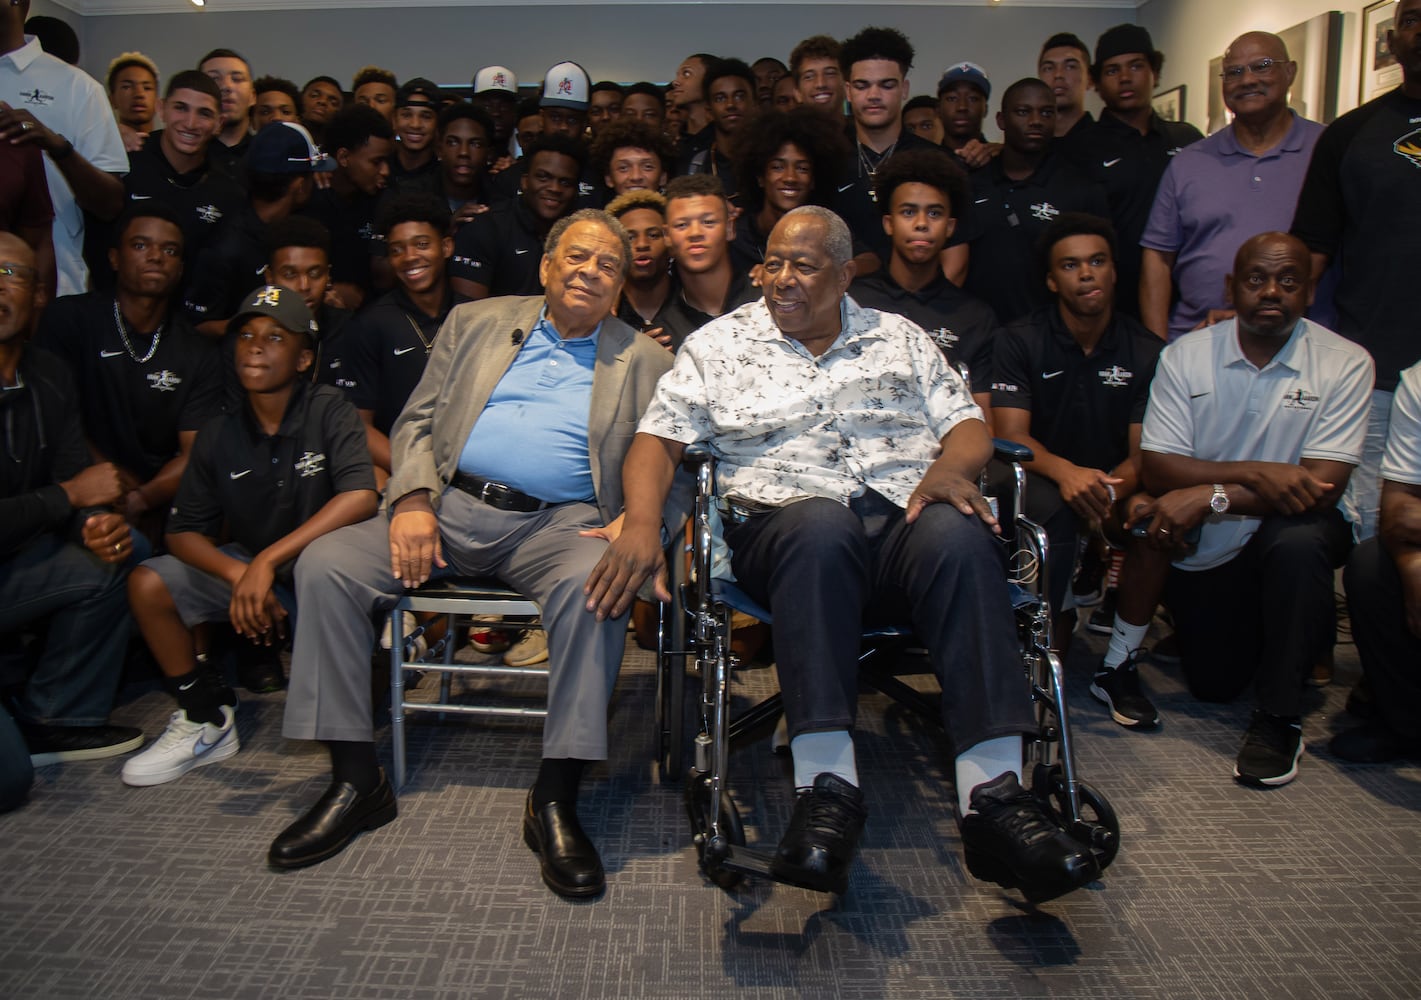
(695, 646)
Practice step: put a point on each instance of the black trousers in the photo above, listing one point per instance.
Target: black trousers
(1391, 655)
(824, 570)
(1263, 617)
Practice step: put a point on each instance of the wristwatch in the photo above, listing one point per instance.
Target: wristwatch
(1219, 502)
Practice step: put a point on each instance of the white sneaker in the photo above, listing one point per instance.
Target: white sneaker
(530, 649)
(407, 623)
(183, 746)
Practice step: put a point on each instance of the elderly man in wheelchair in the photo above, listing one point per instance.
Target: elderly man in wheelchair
(847, 453)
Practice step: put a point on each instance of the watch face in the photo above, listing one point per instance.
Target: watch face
(1219, 503)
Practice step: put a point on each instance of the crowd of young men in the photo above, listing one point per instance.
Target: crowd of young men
(269, 313)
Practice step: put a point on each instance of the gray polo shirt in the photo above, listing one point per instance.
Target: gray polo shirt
(1208, 401)
(1402, 461)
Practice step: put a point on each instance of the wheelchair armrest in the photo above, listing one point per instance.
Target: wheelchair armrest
(696, 455)
(1010, 451)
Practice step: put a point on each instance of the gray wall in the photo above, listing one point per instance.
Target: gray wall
(624, 42)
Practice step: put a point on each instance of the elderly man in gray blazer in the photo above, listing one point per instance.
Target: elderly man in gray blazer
(507, 462)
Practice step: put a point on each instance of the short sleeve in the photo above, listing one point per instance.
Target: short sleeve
(1402, 461)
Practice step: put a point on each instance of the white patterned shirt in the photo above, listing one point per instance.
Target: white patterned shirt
(870, 412)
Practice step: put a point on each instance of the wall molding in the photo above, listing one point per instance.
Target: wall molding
(89, 8)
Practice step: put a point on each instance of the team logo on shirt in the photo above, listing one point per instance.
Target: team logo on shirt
(36, 96)
(164, 381)
(1300, 399)
(944, 338)
(1115, 376)
(583, 188)
(1409, 146)
(367, 231)
(1045, 211)
(209, 213)
(312, 463)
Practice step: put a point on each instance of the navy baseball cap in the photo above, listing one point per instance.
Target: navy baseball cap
(286, 148)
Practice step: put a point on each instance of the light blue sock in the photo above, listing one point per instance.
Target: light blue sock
(983, 762)
(817, 753)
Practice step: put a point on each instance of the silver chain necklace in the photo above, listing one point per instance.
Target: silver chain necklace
(128, 345)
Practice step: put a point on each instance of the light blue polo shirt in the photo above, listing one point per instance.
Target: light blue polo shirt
(532, 435)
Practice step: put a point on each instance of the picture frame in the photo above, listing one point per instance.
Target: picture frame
(1169, 104)
(1380, 70)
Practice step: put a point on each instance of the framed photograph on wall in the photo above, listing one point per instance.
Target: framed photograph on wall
(1169, 104)
(1380, 70)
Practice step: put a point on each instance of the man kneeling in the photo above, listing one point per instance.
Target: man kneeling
(847, 450)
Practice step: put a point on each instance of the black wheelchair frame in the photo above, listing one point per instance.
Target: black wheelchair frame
(694, 639)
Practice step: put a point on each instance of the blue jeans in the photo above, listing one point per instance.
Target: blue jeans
(79, 668)
(16, 771)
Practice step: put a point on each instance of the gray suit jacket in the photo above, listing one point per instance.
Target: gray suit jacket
(474, 349)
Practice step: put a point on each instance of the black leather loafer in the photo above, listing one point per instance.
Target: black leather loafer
(570, 865)
(332, 823)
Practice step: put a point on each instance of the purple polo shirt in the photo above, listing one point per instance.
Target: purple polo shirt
(1215, 195)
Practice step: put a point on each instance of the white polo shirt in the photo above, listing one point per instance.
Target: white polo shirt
(1209, 402)
(1402, 461)
(72, 104)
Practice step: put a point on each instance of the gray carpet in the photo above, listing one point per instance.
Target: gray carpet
(1313, 890)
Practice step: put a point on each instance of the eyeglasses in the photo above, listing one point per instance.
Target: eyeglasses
(17, 275)
(1263, 67)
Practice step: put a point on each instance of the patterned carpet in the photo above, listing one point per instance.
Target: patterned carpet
(1313, 890)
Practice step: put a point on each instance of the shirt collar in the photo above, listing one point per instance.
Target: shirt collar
(1233, 354)
(1292, 140)
(291, 421)
(22, 57)
(544, 328)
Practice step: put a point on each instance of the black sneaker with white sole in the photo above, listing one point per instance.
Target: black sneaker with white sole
(1120, 691)
(1270, 752)
(1102, 619)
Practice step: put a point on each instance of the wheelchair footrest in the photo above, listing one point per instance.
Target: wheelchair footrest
(720, 853)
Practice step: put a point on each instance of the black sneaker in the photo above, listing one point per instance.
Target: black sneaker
(1270, 752)
(259, 667)
(1119, 690)
(1089, 584)
(1011, 839)
(54, 744)
(817, 849)
(1102, 619)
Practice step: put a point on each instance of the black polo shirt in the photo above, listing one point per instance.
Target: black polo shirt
(1129, 166)
(1007, 217)
(1081, 405)
(131, 411)
(232, 158)
(263, 487)
(681, 319)
(388, 346)
(43, 445)
(500, 250)
(422, 179)
(855, 202)
(711, 160)
(351, 223)
(231, 265)
(962, 326)
(1359, 204)
(747, 250)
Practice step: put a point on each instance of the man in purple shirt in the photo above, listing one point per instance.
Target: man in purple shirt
(1218, 192)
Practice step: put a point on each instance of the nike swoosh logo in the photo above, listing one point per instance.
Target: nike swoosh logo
(402, 350)
(202, 746)
(1111, 163)
(520, 253)
(1196, 395)
(110, 354)
(1053, 374)
(239, 475)
(188, 685)
(981, 201)
(140, 197)
(845, 188)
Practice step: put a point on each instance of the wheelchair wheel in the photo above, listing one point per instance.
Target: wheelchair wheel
(698, 811)
(1099, 827)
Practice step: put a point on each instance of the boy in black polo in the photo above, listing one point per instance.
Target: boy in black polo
(391, 340)
(921, 194)
(1072, 381)
(286, 469)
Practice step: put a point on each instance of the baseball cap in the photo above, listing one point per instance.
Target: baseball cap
(566, 85)
(418, 92)
(1122, 40)
(288, 308)
(286, 148)
(968, 71)
(496, 79)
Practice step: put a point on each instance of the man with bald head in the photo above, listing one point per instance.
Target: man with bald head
(506, 462)
(846, 507)
(1253, 427)
(64, 554)
(1215, 193)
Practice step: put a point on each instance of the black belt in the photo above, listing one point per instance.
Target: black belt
(498, 495)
